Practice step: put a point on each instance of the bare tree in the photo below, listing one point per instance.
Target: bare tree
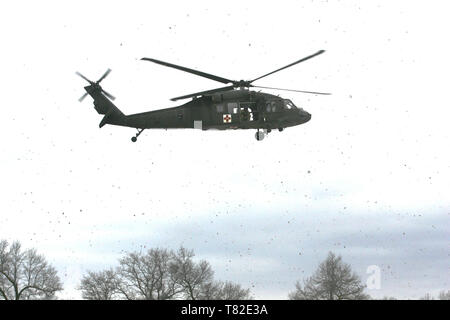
(211, 291)
(218, 290)
(444, 295)
(198, 283)
(26, 275)
(232, 291)
(427, 296)
(333, 280)
(191, 276)
(101, 285)
(148, 276)
(159, 274)
(388, 298)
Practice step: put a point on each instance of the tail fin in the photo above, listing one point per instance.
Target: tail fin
(104, 106)
(101, 103)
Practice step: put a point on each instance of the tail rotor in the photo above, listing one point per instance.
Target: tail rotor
(95, 86)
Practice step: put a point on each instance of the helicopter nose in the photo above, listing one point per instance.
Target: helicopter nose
(306, 116)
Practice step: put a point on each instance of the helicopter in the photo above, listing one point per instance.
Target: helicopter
(234, 106)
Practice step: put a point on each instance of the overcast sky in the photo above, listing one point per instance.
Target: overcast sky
(367, 178)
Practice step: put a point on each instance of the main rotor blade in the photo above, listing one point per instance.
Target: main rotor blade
(290, 65)
(199, 73)
(104, 75)
(313, 92)
(227, 88)
(79, 74)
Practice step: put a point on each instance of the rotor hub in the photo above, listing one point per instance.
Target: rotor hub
(95, 86)
(242, 83)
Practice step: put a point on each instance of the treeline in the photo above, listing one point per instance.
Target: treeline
(162, 274)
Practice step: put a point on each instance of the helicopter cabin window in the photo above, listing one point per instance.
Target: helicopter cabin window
(248, 111)
(219, 108)
(251, 105)
(232, 107)
(246, 114)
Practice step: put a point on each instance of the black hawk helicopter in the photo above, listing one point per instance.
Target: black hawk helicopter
(231, 107)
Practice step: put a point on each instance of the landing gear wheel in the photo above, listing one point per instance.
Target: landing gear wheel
(280, 129)
(269, 130)
(134, 139)
(259, 135)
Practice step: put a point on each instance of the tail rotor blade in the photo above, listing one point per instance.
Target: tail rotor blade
(109, 95)
(79, 74)
(82, 97)
(104, 75)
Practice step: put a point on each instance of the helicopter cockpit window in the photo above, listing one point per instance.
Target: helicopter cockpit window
(288, 104)
(274, 105)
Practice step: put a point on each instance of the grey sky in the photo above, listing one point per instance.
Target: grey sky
(367, 177)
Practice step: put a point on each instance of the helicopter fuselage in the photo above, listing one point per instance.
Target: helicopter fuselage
(238, 109)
